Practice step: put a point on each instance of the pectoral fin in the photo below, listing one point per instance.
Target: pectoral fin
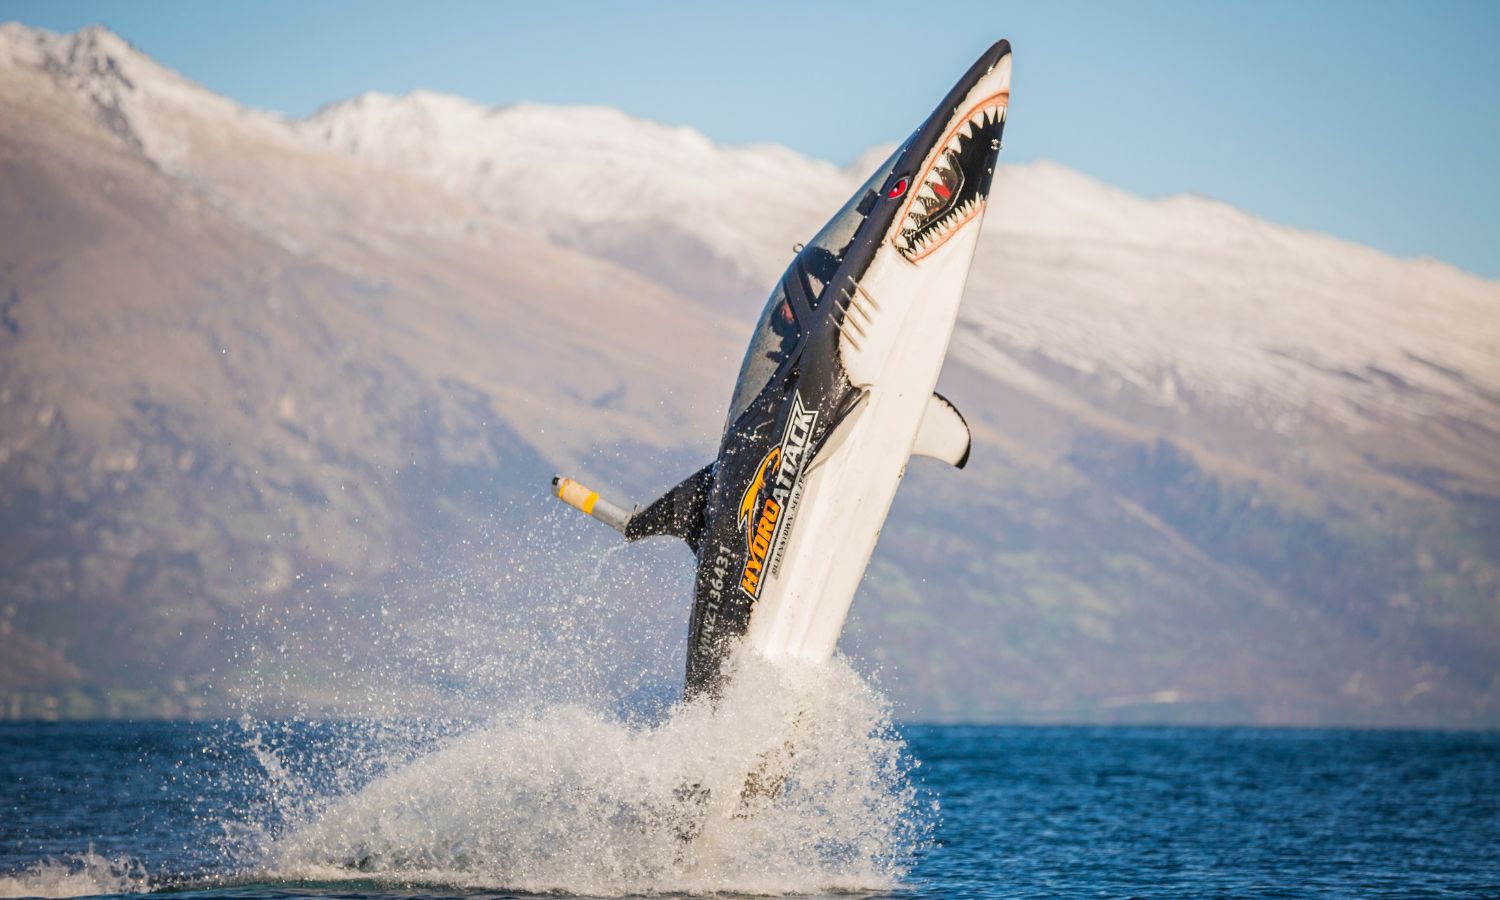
(943, 434)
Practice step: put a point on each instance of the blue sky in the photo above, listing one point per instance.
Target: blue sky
(1378, 122)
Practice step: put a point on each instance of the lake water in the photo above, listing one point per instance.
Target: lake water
(578, 803)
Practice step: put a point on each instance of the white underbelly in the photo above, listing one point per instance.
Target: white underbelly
(837, 519)
(844, 497)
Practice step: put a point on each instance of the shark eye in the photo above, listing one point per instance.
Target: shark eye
(897, 189)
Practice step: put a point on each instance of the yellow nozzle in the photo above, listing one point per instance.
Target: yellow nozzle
(575, 494)
(590, 503)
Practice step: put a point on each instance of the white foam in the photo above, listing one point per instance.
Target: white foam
(77, 875)
(565, 798)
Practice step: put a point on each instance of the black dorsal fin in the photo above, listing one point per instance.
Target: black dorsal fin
(678, 511)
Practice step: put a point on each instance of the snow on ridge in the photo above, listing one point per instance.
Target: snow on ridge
(439, 130)
(1179, 296)
(148, 105)
(572, 171)
(98, 62)
(1186, 299)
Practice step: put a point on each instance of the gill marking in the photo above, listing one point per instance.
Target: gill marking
(849, 336)
(858, 301)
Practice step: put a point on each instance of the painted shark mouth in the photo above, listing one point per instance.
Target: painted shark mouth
(954, 180)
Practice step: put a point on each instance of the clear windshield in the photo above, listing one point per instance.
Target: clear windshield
(823, 254)
(775, 336)
(777, 332)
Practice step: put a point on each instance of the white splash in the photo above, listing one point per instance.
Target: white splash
(570, 799)
(77, 875)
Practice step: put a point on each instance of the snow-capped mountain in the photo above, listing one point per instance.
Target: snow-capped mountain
(1182, 294)
(1166, 297)
(1211, 451)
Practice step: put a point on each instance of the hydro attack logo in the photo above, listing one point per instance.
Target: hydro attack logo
(763, 506)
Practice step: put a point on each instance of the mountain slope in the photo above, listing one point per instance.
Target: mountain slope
(262, 376)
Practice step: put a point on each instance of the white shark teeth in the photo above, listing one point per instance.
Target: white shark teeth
(915, 244)
(982, 118)
(935, 210)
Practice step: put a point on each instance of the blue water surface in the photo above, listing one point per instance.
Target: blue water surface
(1025, 811)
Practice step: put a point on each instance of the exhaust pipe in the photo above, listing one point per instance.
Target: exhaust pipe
(590, 503)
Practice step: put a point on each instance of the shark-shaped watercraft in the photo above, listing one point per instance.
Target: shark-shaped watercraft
(836, 393)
